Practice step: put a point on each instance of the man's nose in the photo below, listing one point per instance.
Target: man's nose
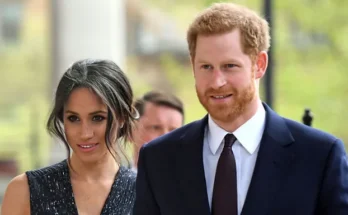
(218, 79)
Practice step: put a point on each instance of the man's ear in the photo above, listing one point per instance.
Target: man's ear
(261, 63)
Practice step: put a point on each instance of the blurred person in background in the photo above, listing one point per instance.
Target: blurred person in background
(242, 157)
(93, 115)
(160, 113)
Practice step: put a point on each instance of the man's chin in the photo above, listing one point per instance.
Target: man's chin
(218, 108)
(223, 113)
(224, 116)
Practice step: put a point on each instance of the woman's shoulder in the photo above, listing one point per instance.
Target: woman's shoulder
(18, 183)
(126, 177)
(16, 198)
(127, 173)
(52, 172)
(22, 182)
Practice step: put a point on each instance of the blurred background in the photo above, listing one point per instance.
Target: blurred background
(39, 39)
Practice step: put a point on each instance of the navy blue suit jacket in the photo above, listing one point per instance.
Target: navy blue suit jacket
(299, 171)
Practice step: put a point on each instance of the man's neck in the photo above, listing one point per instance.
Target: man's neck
(247, 114)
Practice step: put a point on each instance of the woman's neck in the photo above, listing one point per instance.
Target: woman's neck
(104, 169)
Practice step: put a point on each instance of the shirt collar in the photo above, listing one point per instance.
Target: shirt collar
(248, 135)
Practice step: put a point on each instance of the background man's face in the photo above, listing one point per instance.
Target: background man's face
(156, 121)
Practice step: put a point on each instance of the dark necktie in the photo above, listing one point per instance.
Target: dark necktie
(225, 186)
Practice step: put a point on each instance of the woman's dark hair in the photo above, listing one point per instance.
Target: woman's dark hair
(108, 81)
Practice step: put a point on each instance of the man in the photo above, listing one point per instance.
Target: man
(242, 158)
(160, 113)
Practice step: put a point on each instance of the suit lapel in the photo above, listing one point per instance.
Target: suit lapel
(190, 169)
(273, 162)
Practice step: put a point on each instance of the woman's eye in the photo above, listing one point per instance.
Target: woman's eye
(98, 118)
(73, 118)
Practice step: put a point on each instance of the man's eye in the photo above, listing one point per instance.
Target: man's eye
(155, 127)
(206, 66)
(230, 66)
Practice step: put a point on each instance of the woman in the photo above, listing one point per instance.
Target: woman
(93, 115)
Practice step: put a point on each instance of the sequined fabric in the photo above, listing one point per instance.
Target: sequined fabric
(51, 192)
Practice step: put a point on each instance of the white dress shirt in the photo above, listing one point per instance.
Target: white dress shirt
(245, 151)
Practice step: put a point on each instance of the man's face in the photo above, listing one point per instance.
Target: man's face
(156, 121)
(224, 75)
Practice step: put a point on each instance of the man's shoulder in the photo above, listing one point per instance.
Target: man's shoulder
(310, 135)
(300, 133)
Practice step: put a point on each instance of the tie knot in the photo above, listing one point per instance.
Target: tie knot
(229, 140)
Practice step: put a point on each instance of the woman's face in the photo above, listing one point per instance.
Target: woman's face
(85, 122)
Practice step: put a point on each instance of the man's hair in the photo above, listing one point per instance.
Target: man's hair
(224, 17)
(159, 98)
